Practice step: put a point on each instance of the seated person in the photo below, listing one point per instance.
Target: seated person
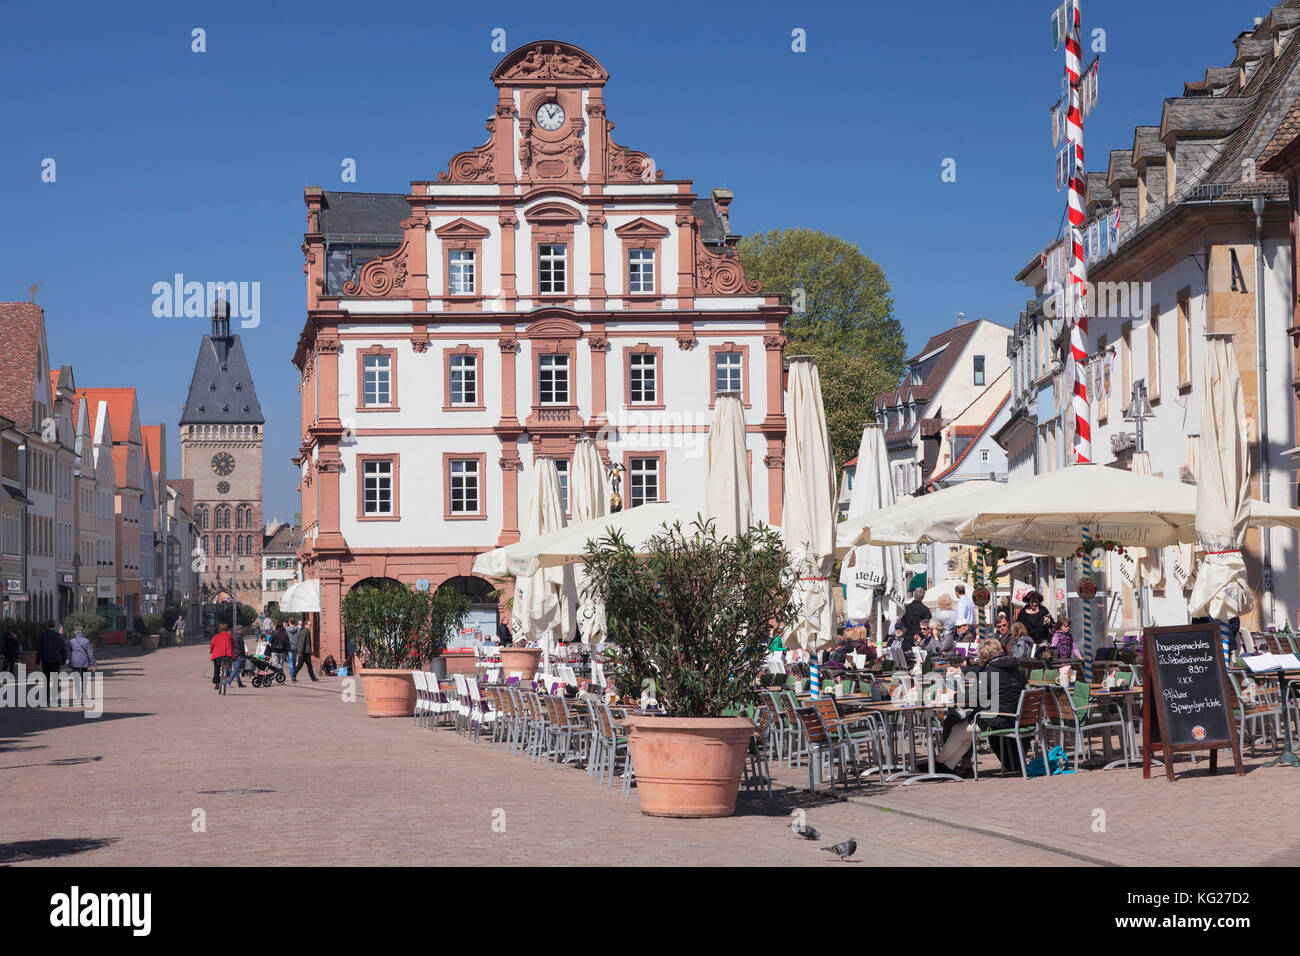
(995, 669)
(1019, 644)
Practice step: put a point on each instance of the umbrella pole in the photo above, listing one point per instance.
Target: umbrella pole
(979, 563)
(1087, 617)
(1225, 639)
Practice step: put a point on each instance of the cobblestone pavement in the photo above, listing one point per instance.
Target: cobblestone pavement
(294, 775)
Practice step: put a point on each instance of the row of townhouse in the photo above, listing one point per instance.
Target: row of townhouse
(90, 519)
(1191, 232)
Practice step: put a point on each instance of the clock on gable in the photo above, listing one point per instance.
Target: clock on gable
(223, 463)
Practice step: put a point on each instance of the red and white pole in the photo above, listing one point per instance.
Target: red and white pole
(1077, 293)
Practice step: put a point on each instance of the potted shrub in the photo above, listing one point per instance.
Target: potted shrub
(150, 625)
(696, 615)
(396, 629)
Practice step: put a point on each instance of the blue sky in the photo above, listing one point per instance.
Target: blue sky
(172, 161)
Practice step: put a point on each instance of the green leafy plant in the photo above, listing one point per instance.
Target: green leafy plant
(247, 614)
(90, 624)
(695, 614)
(153, 623)
(396, 626)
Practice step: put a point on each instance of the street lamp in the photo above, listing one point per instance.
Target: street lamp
(1139, 410)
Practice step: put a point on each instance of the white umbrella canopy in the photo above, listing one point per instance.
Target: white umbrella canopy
(1135, 510)
(588, 501)
(1222, 488)
(809, 511)
(544, 597)
(727, 492)
(911, 520)
(872, 575)
(1179, 558)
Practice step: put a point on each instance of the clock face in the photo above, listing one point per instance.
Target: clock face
(223, 463)
(550, 116)
(223, 487)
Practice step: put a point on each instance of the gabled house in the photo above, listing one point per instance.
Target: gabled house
(128, 475)
(941, 380)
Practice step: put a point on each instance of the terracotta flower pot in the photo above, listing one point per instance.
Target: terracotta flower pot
(688, 767)
(521, 661)
(388, 693)
(149, 642)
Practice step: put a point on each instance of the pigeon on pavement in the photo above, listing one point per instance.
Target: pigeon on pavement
(843, 850)
(804, 830)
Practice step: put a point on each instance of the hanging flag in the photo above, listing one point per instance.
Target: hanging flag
(1103, 234)
(1056, 29)
(1056, 137)
(1087, 246)
(1094, 240)
(1060, 170)
(1096, 79)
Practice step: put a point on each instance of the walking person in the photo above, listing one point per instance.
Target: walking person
(241, 651)
(279, 646)
(50, 655)
(82, 656)
(305, 648)
(292, 631)
(10, 648)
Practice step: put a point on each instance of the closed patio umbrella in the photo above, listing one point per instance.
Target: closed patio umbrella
(1180, 558)
(543, 605)
(809, 510)
(588, 500)
(1222, 490)
(873, 576)
(727, 492)
(1150, 561)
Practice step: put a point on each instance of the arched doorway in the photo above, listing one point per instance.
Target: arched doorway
(481, 623)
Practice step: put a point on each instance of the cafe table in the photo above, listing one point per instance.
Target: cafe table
(1288, 680)
(903, 717)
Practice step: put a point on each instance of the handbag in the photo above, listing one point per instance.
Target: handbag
(1057, 759)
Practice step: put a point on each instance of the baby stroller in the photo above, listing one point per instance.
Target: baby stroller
(264, 672)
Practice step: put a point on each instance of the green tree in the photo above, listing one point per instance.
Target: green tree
(843, 314)
(399, 627)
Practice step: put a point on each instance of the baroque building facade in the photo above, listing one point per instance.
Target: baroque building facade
(550, 283)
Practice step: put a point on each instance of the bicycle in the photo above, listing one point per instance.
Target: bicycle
(225, 676)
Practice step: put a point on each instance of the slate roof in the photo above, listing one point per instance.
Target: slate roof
(285, 541)
(221, 391)
(375, 215)
(20, 344)
(712, 230)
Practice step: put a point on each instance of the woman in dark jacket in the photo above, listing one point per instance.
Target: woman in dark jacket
(994, 670)
(279, 646)
(1037, 622)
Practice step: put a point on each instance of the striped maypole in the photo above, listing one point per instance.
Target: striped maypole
(1077, 297)
(1086, 607)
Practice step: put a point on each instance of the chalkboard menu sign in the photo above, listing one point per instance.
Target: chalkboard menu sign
(1187, 704)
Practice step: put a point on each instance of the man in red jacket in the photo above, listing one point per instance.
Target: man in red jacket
(222, 651)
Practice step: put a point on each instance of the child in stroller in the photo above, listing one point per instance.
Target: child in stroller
(265, 670)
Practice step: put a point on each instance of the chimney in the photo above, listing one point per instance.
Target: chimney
(722, 199)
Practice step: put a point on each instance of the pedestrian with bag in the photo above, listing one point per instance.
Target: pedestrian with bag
(279, 645)
(82, 656)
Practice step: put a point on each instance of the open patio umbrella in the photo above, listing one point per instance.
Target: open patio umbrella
(873, 576)
(809, 511)
(727, 493)
(544, 604)
(1222, 490)
(588, 500)
(1117, 505)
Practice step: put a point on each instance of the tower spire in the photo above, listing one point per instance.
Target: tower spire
(220, 318)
